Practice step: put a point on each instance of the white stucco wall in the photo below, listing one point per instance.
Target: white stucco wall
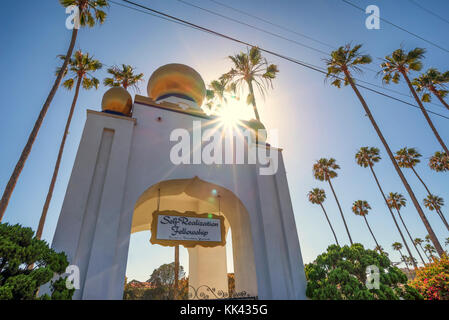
(113, 168)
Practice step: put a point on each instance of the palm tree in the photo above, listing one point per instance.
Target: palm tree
(215, 94)
(433, 81)
(381, 250)
(419, 242)
(446, 242)
(401, 63)
(251, 68)
(408, 158)
(317, 196)
(367, 157)
(397, 201)
(89, 13)
(123, 77)
(344, 60)
(324, 170)
(398, 246)
(433, 202)
(361, 208)
(80, 68)
(439, 162)
(430, 250)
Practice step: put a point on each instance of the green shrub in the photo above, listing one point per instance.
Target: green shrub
(26, 263)
(340, 274)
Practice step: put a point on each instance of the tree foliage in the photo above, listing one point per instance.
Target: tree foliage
(161, 285)
(19, 250)
(432, 281)
(340, 274)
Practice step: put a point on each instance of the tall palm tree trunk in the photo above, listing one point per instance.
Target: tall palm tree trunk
(391, 212)
(421, 180)
(32, 137)
(176, 286)
(426, 115)
(432, 235)
(435, 92)
(330, 225)
(40, 228)
(341, 211)
(440, 213)
(409, 235)
(403, 260)
(425, 253)
(253, 100)
(369, 228)
(443, 218)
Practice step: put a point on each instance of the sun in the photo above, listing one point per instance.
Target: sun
(233, 112)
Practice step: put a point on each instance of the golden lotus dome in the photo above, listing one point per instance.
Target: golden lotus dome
(117, 100)
(176, 80)
(256, 125)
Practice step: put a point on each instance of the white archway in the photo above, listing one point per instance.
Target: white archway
(207, 265)
(120, 157)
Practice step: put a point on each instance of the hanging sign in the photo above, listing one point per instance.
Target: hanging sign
(171, 228)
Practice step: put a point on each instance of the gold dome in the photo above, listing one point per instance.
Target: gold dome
(256, 125)
(117, 100)
(176, 80)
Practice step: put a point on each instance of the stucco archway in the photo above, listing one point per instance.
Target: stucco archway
(196, 195)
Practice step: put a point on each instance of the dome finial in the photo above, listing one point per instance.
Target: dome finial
(117, 100)
(177, 80)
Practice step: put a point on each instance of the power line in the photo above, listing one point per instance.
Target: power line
(399, 27)
(428, 11)
(299, 62)
(251, 26)
(279, 36)
(273, 24)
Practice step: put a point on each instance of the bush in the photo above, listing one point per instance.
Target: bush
(26, 263)
(432, 281)
(340, 274)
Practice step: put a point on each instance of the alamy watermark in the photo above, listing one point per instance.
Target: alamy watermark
(216, 147)
(373, 20)
(73, 279)
(372, 277)
(73, 20)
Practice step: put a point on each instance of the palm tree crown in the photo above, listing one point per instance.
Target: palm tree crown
(324, 169)
(433, 81)
(215, 94)
(316, 196)
(251, 68)
(439, 162)
(396, 200)
(361, 207)
(345, 59)
(401, 62)
(89, 10)
(433, 202)
(123, 76)
(80, 67)
(407, 157)
(366, 156)
(397, 246)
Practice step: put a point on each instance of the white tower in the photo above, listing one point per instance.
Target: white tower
(123, 163)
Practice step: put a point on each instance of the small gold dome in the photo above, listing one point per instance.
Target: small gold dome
(117, 100)
(256, 125)
(176, 80)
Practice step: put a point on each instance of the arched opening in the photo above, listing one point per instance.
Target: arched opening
(207, 268)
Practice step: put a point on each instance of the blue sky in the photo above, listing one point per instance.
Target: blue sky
(314, 119)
